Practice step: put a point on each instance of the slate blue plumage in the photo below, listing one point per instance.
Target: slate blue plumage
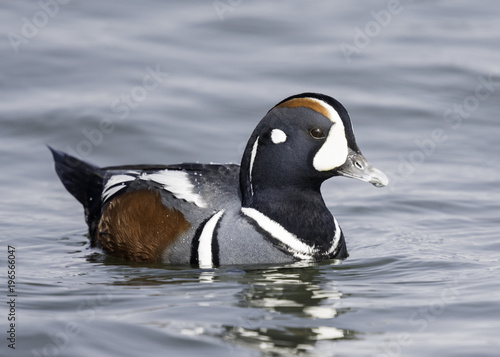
(268, 210)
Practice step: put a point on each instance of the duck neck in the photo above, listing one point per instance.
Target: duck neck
(300, 212)
(286, 198)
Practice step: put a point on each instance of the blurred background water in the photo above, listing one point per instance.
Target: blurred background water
(121, 82)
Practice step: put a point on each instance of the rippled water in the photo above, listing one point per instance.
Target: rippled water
(156, 82)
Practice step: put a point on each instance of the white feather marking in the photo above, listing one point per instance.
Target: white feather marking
(298, 248)
(115, 184)
(205, 259)
(252, 160)
(333, 152)
(336, 238)
(178, 183)
(111, 191)
(278, 136)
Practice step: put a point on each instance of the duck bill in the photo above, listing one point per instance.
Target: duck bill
(357, 167)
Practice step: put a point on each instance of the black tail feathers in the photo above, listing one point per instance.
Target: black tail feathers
(83, 181)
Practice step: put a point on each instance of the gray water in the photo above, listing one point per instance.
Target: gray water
(421, 81)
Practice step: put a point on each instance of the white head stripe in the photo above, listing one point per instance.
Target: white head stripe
(333, 115)
(278, 136)
(205, 259)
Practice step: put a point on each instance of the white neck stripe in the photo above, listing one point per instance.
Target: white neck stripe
(298, 248)
(252, 160)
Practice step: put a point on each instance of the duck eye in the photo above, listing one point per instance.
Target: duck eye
(317, 133)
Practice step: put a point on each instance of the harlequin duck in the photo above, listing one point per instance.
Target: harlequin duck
(268, 210)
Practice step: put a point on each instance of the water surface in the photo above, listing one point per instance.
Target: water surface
(421, 81)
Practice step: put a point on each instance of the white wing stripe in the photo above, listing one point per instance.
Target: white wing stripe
(205, 259)
(336, 238)
(174, 181)
(115, 184)
(178, 183)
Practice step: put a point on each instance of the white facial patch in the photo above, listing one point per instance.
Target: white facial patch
(178, 183)
(278, 136)
(333, 152)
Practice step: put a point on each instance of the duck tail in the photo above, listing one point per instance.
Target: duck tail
(83, 180)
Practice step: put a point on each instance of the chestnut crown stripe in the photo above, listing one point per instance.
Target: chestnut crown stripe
(334, 151)
(311, 103)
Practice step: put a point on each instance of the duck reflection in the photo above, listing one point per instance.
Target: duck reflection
(282, 311)
(291, 309)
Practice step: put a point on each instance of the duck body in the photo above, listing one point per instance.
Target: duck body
(268, 210)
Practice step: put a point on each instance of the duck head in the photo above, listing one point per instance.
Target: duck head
(302, 141)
